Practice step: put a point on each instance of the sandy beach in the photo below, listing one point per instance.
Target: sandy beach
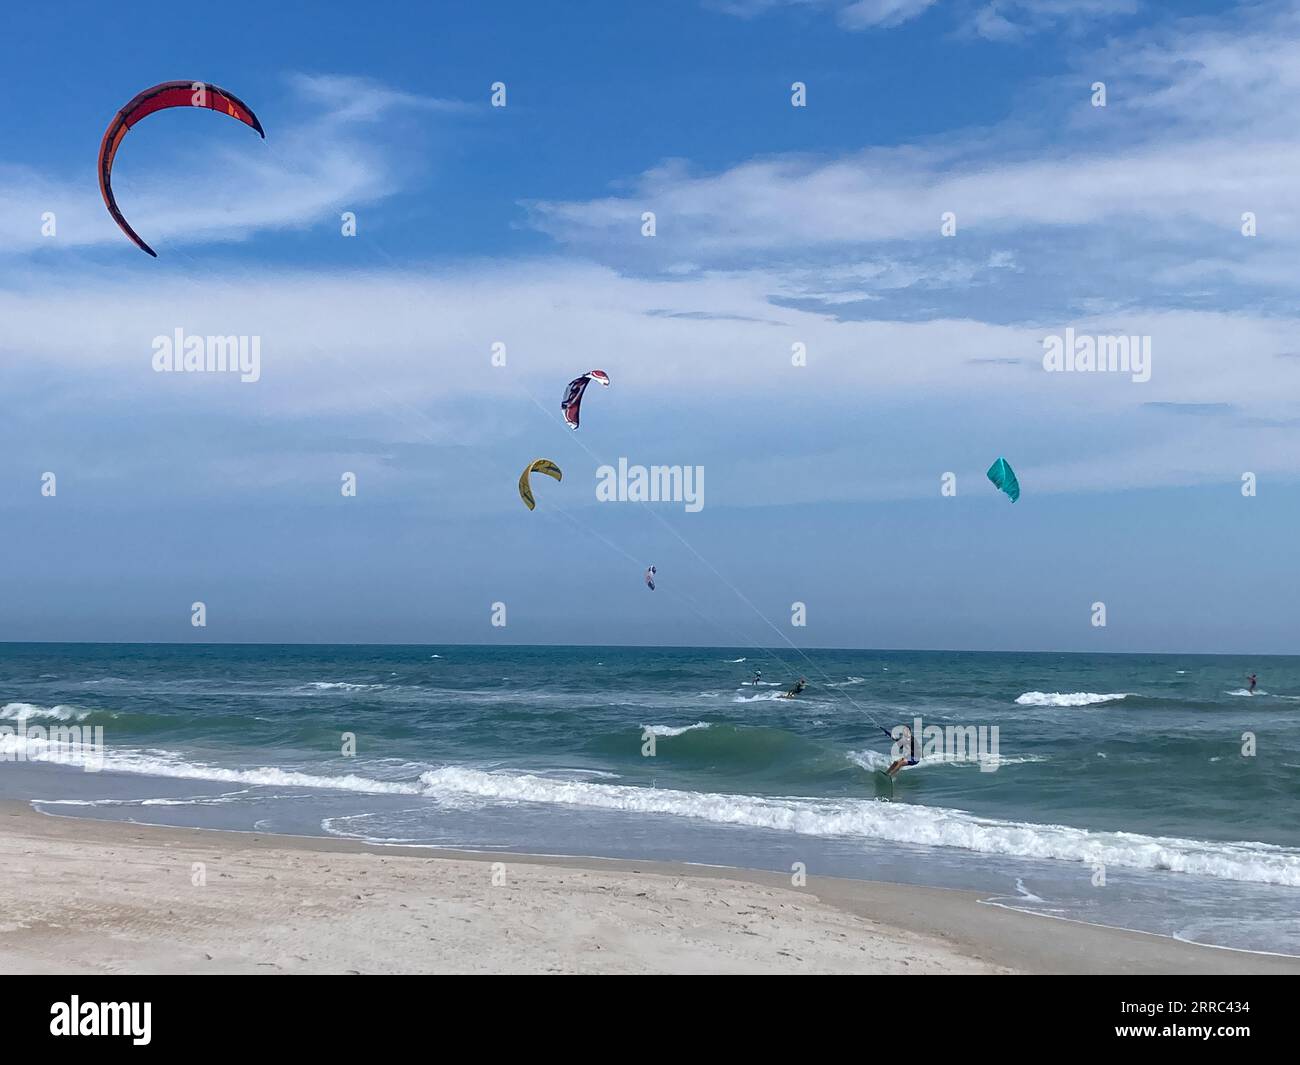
(83, 896)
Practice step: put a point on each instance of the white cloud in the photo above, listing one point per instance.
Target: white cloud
(353, 99)
(1202, 126)
(394, 357)
(885, 14)
(900, 194)
(995, 20)
(1008, 20)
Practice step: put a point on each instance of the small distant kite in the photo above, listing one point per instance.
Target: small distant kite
(545, 466)
(573, 394)
(159, 98)
(650, 578)
(1004, 477)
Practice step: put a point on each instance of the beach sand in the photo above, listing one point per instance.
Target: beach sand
(85, 896)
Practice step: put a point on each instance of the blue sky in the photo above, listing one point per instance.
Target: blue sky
(776, 225)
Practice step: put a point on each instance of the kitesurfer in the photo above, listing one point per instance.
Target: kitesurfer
(758, 677)
(1253, 682)
(796, 689)
(908, 739)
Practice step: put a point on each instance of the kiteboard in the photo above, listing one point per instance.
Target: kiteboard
(884, 784)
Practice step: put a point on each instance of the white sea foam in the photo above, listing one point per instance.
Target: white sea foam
(733, 661)
(1024, 893)
(156, 763)
(1067, 698)
(868, 820)
(197, 800)
(762, 697)
(32, 712)
(672, 730)
(849, 683)
(872, 759)
(575, 773)
(339, 685)
(1243, 691)
(896, 822)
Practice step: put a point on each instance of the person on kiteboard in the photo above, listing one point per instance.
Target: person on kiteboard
(906, 741)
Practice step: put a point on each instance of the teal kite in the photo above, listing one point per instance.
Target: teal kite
(1004, 477)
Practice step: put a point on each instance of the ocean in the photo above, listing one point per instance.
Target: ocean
(1149, 792)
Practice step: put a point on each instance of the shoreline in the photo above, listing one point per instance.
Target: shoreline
(79, 895)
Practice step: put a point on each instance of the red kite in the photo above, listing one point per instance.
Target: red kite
(159, 98)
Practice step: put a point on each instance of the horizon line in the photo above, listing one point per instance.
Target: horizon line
(636, 647)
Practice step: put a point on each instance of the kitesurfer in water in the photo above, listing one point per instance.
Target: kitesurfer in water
(908, 740)
(1253, 682)
(796, 689)
(758, 677)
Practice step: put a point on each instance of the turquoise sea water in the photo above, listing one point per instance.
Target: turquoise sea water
(1119, 794)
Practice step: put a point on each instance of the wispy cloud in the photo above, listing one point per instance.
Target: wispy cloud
(998, 20)
(352, 99)
(1142, 203)
(1199, 409)
(885, 14)
(402, 357)
(1015, 20)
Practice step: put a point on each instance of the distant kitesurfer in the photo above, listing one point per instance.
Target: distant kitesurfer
(1253, 682)
(908, 739)
(758, 677)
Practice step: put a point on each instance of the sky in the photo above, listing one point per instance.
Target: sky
(841, 309)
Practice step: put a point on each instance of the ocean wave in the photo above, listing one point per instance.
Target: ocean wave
(849, 683)
(672, 730)
(197, 800)
(1067, 699)
(865, 819)
(1243, 691)
(892, 822)
(157, 763)
(339, 685)
(573, 772)
(870, 759)
(873, 760)
(733, 661)
(762, 697)
(32, 712)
